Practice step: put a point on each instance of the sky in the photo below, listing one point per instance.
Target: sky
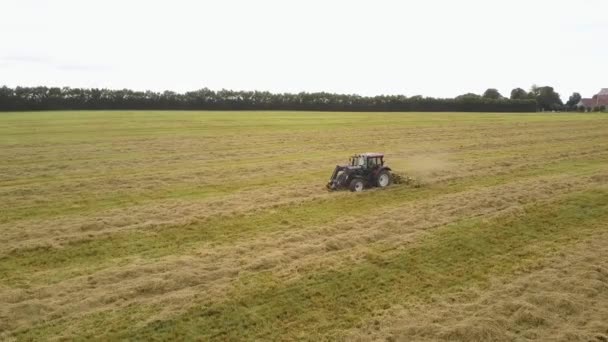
(439, 48)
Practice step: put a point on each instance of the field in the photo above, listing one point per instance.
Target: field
(215, 225)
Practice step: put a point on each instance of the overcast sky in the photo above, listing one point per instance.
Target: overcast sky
(439, 48)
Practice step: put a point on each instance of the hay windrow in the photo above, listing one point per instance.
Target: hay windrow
(156, 214)
(401, 178)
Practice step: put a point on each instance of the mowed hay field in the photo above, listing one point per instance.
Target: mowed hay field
(217, 226)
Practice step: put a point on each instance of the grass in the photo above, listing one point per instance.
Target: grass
(207, 225)
(458, 255)
(179, 239)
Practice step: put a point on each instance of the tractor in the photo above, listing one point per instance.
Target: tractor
(363, 171)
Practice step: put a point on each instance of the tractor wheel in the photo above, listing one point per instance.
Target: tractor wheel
(384, 179)
(356, 185)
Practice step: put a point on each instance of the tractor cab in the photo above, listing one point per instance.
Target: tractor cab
(363, 170)
(367, 160)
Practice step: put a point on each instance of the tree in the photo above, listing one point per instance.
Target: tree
(468, 96)
(519, 94)
(534, 91)
(492, 93)
(548, 99)
(574, 99)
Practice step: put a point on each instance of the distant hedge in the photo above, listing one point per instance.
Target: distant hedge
(44, 98)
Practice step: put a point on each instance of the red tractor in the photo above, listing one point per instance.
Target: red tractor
(363, 171)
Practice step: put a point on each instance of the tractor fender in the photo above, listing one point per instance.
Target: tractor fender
(380, 169)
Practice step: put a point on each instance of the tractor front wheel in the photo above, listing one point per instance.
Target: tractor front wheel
(384, 179)
(356, 185)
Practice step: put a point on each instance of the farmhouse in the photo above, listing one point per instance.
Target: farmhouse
(598, 100)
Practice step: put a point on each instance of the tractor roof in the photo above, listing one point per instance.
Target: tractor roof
(372, 154)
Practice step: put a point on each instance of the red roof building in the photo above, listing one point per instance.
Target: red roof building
(598, 100)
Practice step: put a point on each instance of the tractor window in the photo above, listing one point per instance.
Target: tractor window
(357, 161)
(373, 162)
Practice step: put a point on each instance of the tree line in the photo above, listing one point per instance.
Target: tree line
(545, 97)
(54, 98)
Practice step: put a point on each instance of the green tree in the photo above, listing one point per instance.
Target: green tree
(492, 93)
(574, 99)
(468, 96)
(546, 98)
(519, 94)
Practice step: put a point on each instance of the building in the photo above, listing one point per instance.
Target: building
(598, 100)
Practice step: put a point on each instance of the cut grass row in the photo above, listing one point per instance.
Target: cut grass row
(115, 226)
(49, 264)
(325, 304)
(462, 254)
(131, 193)
(32, 197)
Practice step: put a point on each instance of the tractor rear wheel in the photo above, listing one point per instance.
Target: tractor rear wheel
(384, 179)
(356, 185)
